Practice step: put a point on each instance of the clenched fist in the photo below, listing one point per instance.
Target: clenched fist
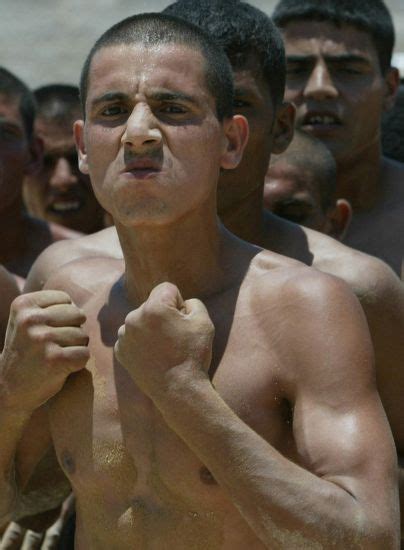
(165, 340)
(44, 343)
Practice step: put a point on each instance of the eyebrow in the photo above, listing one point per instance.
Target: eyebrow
(295, 202)
(341, 58)
(157, 96)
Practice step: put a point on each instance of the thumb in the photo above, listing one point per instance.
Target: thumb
(195, 308)
(166, 294)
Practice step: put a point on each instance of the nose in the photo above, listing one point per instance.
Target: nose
(320, 84)
(141, 132)
(62, 176)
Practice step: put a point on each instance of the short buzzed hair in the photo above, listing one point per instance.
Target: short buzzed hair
(309, 154)
(370, 16)
(153, 29)
(244, 32)
(15, 89)
(58, 102)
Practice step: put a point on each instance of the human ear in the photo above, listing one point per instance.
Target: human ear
(236, 138)
(78, 130)
(283, 127)
(392, 83)
(35, 157)
(338, 220)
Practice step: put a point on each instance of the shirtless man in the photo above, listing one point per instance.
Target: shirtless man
(251, 39)
(340, 78)
(23, 237)
(58, 192)
(300, 186)
(255, 441)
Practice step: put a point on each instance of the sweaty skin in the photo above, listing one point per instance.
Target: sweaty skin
(170, 435)
(335, 81)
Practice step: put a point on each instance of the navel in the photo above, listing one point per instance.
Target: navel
(67, 462)
(206, 477)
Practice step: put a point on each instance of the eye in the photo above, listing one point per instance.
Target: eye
(173, 109)
(241, 103)
(113, 110)
(10, 133)
(296, 70)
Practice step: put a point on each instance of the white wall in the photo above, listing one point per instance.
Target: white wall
(46, 41)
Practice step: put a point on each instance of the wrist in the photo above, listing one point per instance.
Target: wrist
(184, 386)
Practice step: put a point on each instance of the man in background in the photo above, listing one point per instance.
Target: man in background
(300, 187)
(23, 237)
(340, 78)
(58, 192)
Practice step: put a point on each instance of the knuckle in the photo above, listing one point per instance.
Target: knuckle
(39, 335)
(26, 318)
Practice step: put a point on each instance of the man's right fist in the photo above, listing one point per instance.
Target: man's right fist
(44, 344)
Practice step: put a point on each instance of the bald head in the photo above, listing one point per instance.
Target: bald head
(300, 183)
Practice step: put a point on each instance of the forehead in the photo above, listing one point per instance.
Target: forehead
(55, 135)
(294, 177)
(320, 37)
(250, 74)
(10, 110)
(135, 68)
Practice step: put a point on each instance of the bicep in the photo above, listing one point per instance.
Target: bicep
(340, 428)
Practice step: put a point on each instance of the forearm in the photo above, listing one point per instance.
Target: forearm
(283, 503)
(12, 424)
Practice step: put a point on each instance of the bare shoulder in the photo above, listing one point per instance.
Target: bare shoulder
(103, 244)
(84, 277)
(292, 279)
(367, 276)
(60, 232)
(313, 319)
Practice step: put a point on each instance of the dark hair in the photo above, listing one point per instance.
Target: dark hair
(58, 102)
(155, 29)
(244, 32)
(14, 88)
(371, 16)
(393, 129)
(309, 154)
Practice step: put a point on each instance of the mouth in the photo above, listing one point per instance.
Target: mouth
(64, 206)
(320, 121)
(141, 169)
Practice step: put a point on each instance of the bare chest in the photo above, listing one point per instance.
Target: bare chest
(126, 465)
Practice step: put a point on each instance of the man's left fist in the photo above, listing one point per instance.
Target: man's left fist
(165, 340)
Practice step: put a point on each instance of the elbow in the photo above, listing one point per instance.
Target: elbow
(376, 534)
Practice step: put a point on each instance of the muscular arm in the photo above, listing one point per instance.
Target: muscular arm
(383, 304)
(44, 344)
(345, 488)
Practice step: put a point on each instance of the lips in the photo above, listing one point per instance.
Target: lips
(141, 168)
(321, 119)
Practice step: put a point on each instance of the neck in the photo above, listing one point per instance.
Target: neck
(12, 231)
(359, 178)
(189, 253)
(245, 218)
